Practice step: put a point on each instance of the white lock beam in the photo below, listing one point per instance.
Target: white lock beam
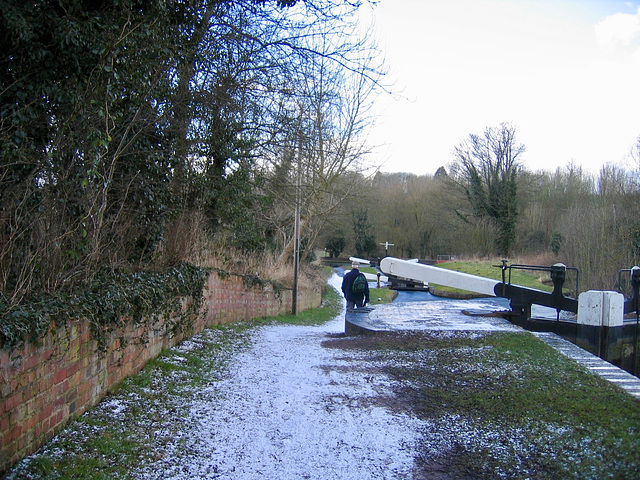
(441, 276)
(361, 261)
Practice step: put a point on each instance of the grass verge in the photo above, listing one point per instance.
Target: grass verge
(505, 405)
(381, 295)
(331, 305)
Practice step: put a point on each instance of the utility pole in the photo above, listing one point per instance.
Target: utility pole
(296, 249)
(296, 244)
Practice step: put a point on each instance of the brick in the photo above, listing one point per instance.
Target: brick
(46, 426)
(13, 401)
(4, 423)
(73, 369)
(58, 401)
(71, 396)
(29, 423)
(32, 406)
(57, 418)
(60, 376)
(86, 337)
(31, 362)
(40, 371)
(84, 387)
(5, 389)
(23, 381)
(39, 431)
(14, 433)
(55, 391)
(45, 412)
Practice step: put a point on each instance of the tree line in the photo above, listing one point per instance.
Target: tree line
(136, 134)
(485, 203)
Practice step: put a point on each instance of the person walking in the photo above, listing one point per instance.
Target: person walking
(355, 288)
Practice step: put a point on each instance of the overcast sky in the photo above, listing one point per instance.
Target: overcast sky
(565, 73)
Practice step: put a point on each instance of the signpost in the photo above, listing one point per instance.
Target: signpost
(386, 248)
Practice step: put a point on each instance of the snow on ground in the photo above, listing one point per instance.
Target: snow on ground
(289, 410)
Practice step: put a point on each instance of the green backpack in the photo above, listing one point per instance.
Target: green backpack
(359, 285)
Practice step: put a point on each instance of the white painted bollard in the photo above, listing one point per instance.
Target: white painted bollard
(601, 309)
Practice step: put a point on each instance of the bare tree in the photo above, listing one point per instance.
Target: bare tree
(322, 141)
(486, 168)
(149, 112)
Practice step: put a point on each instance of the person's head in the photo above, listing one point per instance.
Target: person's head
(355, 265)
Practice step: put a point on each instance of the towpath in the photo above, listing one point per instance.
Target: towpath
(292, 409)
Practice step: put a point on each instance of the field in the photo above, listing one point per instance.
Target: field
(491, 269)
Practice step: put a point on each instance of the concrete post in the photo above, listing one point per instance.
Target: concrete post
(601, 309)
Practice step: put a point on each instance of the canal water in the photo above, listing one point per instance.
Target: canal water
(475, 306)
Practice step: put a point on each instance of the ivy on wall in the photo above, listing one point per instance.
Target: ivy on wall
(106, 302)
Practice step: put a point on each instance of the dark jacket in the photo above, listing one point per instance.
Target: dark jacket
(347, 281)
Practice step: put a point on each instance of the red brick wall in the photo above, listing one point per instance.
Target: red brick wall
(42, 386)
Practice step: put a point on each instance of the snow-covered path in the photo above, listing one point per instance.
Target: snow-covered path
(292, 409)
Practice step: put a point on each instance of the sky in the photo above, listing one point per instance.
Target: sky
(564, 73)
